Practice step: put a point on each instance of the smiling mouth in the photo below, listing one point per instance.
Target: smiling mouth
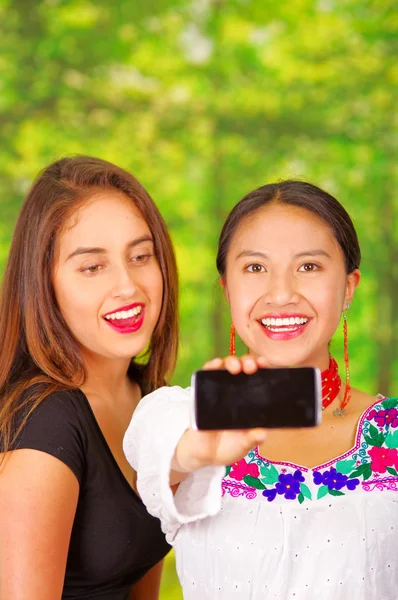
(126, 321)
(284, 324)
(123, 315)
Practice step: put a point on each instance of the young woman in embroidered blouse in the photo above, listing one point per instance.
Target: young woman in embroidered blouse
(305, 514)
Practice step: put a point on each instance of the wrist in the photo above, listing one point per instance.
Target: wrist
(183, 461)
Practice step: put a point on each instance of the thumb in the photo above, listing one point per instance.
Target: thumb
(256, 436)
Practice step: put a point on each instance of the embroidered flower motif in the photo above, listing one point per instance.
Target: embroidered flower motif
(270, 494)
(385, 417)
(372, 465)
(334, 480)
(241, 468)
(289, 485)
(382, 458)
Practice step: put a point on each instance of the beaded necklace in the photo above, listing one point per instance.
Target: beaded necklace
(331, 385)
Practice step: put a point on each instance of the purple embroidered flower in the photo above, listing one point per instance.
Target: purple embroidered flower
(352, 483)
(270, 494)
(334, 480)
(384, 417)
(289, 485)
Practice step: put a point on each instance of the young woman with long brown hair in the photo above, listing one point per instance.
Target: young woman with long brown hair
(306, 513)
(90, 284)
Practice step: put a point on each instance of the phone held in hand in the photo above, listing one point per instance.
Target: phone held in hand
(270, 398)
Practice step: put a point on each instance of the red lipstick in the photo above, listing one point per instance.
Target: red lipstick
(126, 319)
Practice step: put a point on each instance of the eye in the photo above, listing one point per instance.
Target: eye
(308, 267)
(92, 269)
(141, 259)
(255, 268)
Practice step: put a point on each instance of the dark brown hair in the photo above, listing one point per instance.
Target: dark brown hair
(300, 194)
(37, 346)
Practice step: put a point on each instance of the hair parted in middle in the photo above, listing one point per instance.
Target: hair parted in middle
(38, 347)
(302, 195)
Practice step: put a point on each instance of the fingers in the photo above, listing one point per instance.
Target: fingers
(256, 436)
(214, 365)
(262, 362)
(233, 364)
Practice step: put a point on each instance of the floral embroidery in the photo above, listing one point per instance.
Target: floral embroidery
(383, 458)
(385, 417)
(241, 468)
(371, 465)
(287, 485)
(334, 480)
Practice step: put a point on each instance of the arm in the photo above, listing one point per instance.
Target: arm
(148, 587)
(165, 451)
(38, 499)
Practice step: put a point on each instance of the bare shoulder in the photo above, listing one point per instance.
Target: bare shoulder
(38, 499)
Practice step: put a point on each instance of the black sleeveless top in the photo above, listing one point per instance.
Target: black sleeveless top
(114, 540)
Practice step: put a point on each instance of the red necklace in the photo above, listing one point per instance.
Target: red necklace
(331, 383)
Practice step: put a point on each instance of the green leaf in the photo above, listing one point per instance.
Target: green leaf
(375, 441)
(305, 491)
(300, 498)
(336, 493)
(377, 436)
(269, 475)
(392, 471)
(373, 432)
(227, 470)
(392, 440)
(390, 403)
(345, 466)
(323, 490)
(367, 472)
(363, 470)
(253, 482)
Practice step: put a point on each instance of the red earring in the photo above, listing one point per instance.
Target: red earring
(232, 341)
(341, 412)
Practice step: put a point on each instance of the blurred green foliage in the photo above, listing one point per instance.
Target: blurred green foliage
(204, 100)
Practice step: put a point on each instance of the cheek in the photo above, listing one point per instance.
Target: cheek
(152, 285)
(243, 296)
(75, 303)
(330, 295)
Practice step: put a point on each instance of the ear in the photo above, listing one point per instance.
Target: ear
(225, 288)
(351, 285)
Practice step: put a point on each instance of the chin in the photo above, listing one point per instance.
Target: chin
(279, 358)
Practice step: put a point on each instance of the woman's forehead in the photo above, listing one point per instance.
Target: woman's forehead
(283, 231)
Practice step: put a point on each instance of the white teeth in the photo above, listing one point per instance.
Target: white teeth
(286, 321)
(124, 314)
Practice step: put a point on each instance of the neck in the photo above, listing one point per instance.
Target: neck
(106, 376)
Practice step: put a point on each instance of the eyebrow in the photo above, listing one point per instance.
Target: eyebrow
(98, 250)
(253, 253)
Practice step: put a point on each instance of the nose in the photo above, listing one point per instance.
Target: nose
(124, 285)
(281, 289)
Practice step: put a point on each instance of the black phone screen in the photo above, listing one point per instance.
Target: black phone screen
(269, 398)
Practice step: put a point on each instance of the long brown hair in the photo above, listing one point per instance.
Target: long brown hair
(37, 346)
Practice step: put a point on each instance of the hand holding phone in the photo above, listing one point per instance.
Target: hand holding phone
(268, 398)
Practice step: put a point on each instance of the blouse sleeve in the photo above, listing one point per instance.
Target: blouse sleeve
(54, 427)
(157, 425)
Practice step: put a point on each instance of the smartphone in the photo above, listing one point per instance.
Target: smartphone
(268, 398)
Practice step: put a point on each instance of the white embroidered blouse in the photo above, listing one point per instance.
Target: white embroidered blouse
(259, 530)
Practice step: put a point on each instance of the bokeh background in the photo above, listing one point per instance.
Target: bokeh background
(204, 100)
